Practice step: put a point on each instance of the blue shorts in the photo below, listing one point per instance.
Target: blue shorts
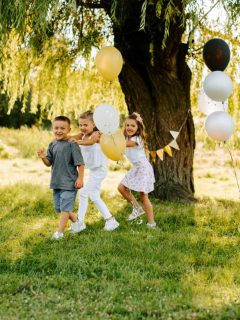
(64, 200)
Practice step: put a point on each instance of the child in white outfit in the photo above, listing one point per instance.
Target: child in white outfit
(141, 177)
(96, 162)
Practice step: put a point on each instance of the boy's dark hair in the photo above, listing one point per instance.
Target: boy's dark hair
(62, 118)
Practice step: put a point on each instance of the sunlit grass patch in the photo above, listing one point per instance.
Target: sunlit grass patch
(188, 268)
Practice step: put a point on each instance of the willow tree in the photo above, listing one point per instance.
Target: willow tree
(155, 78)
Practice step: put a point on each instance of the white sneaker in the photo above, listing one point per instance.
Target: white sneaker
(77, 227)
(57, 235)
(137, 212)
(111, 225)
(152, 225)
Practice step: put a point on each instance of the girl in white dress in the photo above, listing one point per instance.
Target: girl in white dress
(141, 177)
(96, 162)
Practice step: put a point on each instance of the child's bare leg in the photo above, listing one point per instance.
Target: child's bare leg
(147, 207)
(128, 195)
(73, 217)
(64, 216)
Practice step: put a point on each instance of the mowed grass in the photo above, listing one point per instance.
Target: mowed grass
(188, 268)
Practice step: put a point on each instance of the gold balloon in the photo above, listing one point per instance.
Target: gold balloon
(113, 145)
(109, 62)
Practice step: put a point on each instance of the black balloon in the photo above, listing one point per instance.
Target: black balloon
(216, 54)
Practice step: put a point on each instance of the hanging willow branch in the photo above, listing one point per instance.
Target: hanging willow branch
(46, 44)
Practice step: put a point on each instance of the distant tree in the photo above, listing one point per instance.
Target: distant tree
(16, 117)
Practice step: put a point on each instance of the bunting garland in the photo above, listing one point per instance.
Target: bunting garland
(168, 148)
(153, 155)
(174, 134)
(160, 154)
(174, 145)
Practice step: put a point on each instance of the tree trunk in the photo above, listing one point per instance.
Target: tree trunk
(156, 83)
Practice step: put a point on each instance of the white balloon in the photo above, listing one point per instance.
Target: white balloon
(218, 86)
(208, 106)
(106, 118)
(219, 125)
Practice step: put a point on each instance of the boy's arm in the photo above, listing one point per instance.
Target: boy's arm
(42, 154)
(79, 181)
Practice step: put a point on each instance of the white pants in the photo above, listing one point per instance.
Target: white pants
(92, 189)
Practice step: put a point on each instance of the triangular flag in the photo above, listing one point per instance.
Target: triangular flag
(174, 134)
(160, 154)
(168, 150)
(153, 155)
(174, 145)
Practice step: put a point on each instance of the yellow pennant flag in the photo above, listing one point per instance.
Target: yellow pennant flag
(153, 155)
(168, 150)
(160, 154)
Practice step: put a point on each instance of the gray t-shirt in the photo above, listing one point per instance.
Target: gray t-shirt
(64, 157)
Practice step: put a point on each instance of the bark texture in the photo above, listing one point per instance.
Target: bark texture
(156, 83)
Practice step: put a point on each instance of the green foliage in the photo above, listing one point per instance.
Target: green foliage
(19, 116)
(185, 269)
(3, 153)
(58, 85)
(25, 141)
(143, 15)
(38, 21)
(233, 9)
(51, 43)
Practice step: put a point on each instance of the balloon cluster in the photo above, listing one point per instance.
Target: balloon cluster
(112, 141)
(109, 64)
(217, 87)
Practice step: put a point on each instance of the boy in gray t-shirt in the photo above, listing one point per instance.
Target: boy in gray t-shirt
(67, 171)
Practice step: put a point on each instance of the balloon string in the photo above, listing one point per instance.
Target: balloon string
(112, 92)
(233, 166)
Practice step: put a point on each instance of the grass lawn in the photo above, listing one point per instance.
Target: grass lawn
(188, 268)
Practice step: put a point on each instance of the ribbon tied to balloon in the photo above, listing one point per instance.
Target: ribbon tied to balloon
(109, 62)
(112, 141)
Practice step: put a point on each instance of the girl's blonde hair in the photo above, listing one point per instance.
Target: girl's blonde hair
(140, 130)
(89, 116)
